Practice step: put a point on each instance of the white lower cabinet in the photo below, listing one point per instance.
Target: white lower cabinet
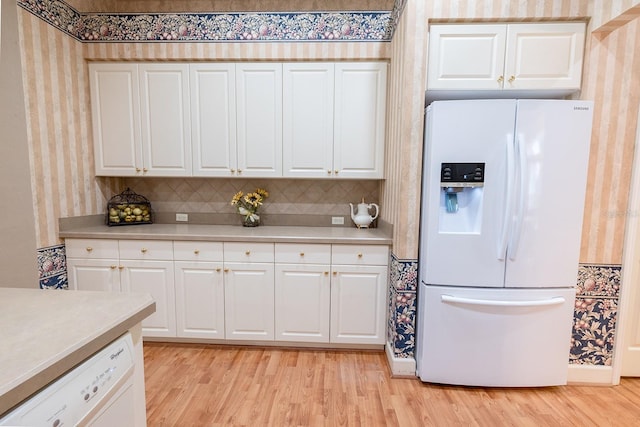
(358, 304)
(147, 266)
(248, 293)
(92, 265)
(156, 278)
(358, 294)
(289, 292)
(199, 299)
(199, 288)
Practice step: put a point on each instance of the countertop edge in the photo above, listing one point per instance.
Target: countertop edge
(266, 234)
(66, 362)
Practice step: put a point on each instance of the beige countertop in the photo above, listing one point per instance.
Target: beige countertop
(232, 233)
(44, 333)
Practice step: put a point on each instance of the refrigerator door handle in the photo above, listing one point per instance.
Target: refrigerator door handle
(521, 176)
(500, 303)
(508, 205)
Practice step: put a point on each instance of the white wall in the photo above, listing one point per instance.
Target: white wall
(18, 258)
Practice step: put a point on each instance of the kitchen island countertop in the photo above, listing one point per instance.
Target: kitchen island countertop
(45, 333)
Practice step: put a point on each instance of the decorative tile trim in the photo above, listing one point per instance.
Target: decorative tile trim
(52, 267)
(402, 306)
(214, 27)
(595, 314)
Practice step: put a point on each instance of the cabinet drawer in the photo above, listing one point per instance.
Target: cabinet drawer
(197, 251)
(91, 248)
(303, 253)
(360, 255)
(248, 252)
(146, 249)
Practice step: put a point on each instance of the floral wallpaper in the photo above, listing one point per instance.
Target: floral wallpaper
(52, 267)
(401, 328)
(213, 27)
(595, 314)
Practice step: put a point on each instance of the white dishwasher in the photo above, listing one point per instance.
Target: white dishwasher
(98, 392)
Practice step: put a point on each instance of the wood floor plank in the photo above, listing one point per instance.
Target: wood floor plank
(207, 385)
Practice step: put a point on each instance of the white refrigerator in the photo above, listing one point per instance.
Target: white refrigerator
(503, 194)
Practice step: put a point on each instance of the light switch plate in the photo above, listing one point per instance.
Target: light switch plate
(182, 217)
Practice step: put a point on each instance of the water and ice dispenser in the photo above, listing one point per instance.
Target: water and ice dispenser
(462, 187)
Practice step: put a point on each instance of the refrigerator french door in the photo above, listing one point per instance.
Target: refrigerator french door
(502, 203)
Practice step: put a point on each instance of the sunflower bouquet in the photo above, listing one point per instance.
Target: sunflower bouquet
(248, 204)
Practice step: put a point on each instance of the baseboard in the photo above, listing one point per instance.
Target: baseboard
(400, 366)
(590, 374)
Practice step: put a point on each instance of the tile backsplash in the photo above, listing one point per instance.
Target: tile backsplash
(286, 196)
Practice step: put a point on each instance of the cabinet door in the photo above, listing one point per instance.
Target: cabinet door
(213, 119)
(115, 111)
(155, 278)
(166, 127)
(359, 132)
(249, 306)
(259, 119)
(358, 304)
(466, 56)
(199, 299)
(307, 146)
(302, 302)
(544, 56)
(93, 274)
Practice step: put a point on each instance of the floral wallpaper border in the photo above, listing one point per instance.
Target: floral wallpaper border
(595, 314)
(217, 27)
(52, 267)
(401, 328)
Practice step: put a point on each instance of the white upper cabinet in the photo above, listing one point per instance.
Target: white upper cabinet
(531, 56)
(359, 119)
(115, 110)
(307, 147)
(544, 56)
(213, 119)
(259, 119)
(166, 128)
(254, 119)
(141, 119)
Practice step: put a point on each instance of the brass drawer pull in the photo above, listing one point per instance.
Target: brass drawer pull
(89, 249)
(143, 250)
(197, 252)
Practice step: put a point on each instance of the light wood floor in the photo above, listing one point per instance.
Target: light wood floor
(205, 385)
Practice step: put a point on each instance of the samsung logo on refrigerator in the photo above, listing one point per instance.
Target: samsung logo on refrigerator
(579, 108)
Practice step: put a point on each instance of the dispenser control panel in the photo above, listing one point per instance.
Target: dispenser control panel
(462, 175)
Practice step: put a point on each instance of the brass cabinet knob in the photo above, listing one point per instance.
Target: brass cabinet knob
(512, 79)
(197, 252)
(113, 267)
(89, 248)
(500, 79)
(336, 171)
(301, 253)
(145, 170)
(226, 270)
(326, 273)
(239, 171)
(137, 169)
(247, 253)
(121, 267)
(233, 171)
(335, 273)
(218, 270)
(143, 250)
(329, 172)
(360, 255)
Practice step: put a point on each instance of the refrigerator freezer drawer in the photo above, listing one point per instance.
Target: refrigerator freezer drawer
(495, 337)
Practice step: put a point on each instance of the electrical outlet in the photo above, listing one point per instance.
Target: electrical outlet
(337, 220)
(182, 217)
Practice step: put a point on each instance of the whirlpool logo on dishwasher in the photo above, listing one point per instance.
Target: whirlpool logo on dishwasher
(117, 353)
